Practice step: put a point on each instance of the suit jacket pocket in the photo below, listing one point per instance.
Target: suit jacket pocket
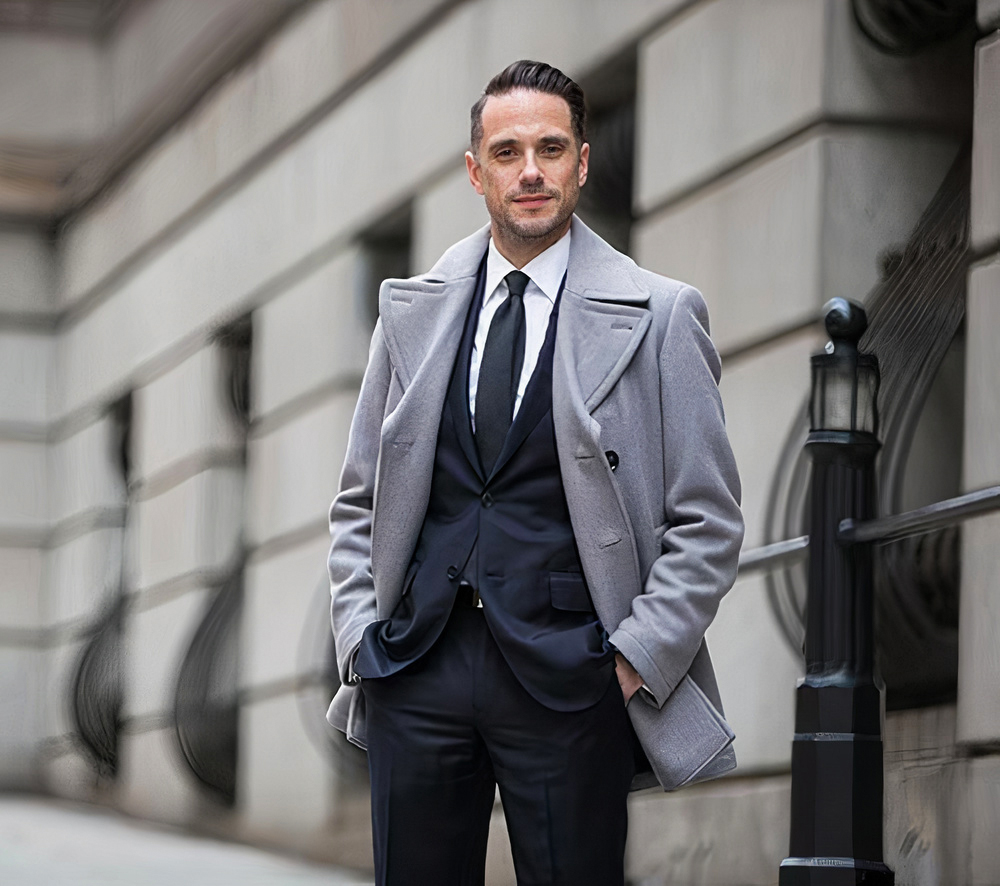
(568, 592)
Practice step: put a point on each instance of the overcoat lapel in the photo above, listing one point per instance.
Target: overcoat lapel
(419, 320)
(422, 320)
(419, 315)
(603, 319)
(596, 342)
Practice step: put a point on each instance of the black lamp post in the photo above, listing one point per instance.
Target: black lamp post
(836, 829)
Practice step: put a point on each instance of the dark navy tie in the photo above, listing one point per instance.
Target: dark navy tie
(500, 372)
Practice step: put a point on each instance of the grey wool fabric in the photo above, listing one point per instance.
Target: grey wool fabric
(634, 373)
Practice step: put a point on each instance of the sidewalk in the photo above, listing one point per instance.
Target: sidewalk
(49, 843)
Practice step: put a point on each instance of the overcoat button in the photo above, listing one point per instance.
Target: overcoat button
(612, 458)
(487, 500)
(452, 572)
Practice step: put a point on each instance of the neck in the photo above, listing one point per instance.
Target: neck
(519, 252)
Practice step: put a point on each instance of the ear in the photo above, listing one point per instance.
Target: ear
(475, 172)
(584, 161)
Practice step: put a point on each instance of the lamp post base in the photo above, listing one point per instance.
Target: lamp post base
(834, 872)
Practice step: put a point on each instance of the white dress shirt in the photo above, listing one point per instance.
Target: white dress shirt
(545, 271)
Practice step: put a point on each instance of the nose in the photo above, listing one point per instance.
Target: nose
(530, 173)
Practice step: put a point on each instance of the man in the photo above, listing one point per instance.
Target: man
(538, 498)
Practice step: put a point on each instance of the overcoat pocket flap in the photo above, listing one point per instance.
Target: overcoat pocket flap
(357, 721)
(687, 740)
(337, 713)
(569, 592)
(347, 713)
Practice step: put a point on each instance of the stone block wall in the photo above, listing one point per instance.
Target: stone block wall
(27, 293)
(185, 533)
(84, 559)
(978, 715)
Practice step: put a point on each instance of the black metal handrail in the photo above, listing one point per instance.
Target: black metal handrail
(780, 553)
(880, 530)
(921, 520)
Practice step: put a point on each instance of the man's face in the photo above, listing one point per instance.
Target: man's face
(528, 166)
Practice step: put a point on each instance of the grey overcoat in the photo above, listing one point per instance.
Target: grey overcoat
(635, 373)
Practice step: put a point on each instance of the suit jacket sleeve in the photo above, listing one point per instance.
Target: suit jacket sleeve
(352, 588)
(701, 544)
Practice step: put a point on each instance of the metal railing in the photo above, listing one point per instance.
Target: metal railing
(780, 553)
(879, 530)
(925, 519)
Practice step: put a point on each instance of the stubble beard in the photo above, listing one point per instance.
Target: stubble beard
(531, 230)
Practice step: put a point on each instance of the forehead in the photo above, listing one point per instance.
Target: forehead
(526, 114)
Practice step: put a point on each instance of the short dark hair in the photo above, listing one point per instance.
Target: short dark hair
(538, 77)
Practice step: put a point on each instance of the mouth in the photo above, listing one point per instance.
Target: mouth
(533, 201)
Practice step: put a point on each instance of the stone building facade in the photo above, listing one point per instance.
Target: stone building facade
(197, 200)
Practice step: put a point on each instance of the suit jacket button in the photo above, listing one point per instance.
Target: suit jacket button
(453, 572)
(487, 500)
(612, 458)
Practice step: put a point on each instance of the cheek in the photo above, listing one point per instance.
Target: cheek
(494, 183)
(567, 178)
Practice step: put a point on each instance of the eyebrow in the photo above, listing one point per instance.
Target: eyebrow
(560, 140)
(504, 143)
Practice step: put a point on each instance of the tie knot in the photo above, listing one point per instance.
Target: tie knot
(517, 282)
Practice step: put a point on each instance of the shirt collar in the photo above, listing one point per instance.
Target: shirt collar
(546, 269)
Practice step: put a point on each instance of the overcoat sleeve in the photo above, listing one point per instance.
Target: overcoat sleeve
(352, 588)
(701, 498)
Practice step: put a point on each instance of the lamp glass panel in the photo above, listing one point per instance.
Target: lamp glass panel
(867, 391)
(838, 399)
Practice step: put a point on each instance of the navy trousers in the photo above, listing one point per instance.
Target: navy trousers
(448, 729)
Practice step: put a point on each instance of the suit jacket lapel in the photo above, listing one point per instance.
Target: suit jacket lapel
(459, 393)
(533, 406)
(537, 399)
(422, 320)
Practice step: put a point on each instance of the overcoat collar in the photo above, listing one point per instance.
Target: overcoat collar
(422, 316)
